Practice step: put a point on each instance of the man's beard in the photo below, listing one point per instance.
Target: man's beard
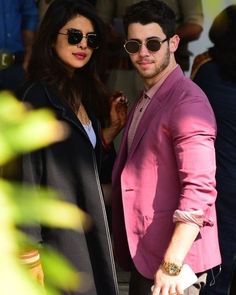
(159, 69)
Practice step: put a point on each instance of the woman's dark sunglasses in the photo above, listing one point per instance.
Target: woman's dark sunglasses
(152, 44)
(76, 36)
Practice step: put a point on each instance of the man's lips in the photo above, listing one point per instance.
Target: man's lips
(144, 62)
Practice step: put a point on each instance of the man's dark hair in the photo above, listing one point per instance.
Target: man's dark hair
(151, 11)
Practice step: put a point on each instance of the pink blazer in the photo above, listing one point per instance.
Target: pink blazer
(170, 165)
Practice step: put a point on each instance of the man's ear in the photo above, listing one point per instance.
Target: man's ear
(174, 43)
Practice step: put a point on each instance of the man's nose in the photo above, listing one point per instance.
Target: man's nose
(143, 51)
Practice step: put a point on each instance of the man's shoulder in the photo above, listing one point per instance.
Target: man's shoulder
(186, 85)
(177, 82)
(183, 89)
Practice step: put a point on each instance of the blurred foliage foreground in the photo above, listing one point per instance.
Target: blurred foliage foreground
(23, 130)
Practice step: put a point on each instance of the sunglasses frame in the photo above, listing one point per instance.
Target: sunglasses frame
(79, 34)
(145, 43)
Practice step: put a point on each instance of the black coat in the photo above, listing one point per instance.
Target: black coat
(72, 167)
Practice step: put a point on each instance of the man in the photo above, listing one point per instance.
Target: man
(164, 176)
(121, 74)
(18, 22)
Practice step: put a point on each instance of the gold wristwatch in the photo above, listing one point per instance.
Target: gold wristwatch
(171, 268)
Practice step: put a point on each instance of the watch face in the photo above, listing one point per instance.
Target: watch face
(174, 269)
(171, 268)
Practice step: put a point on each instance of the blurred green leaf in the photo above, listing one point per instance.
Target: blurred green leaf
(14, 280)
(63, 275)
(23, 130)
(45, 207)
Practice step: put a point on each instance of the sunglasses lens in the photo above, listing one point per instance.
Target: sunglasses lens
(93, 41)
(153, 45)
(132, 46)
(74, 37)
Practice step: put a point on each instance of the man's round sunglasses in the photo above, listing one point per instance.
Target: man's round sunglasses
(152, 44)
(75, 37)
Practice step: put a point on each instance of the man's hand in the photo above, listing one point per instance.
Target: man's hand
(181, 241)
(165, 284)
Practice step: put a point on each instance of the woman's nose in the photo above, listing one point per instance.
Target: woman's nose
(83, 43)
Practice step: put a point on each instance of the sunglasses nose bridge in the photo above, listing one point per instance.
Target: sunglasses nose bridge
(83, 42)
(143, 50)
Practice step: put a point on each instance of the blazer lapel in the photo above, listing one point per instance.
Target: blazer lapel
(159, 99)
(151, 111)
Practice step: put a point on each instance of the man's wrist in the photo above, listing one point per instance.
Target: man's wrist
(171, 268)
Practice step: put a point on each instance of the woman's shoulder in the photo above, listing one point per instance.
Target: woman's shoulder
(34, 93)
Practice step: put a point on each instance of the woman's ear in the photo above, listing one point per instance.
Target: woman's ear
(174, 43)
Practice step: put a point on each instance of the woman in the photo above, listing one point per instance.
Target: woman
(215, 72)
(63, 76)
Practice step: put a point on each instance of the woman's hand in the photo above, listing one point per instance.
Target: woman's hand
(37, 273)
(118, 116)
(31, 260)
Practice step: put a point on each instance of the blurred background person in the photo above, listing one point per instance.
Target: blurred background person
(189, 25)
(215, 72)
(44, 4)
(121, 74)
(18, 23)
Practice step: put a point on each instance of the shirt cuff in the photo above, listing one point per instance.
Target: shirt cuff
(194, 217)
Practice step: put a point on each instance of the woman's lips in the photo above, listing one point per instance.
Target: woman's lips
(80, 55)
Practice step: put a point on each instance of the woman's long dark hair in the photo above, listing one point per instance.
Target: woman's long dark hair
(223, 35)
(46, 67)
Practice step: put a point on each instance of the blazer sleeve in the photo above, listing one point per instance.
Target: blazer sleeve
(193, 134)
